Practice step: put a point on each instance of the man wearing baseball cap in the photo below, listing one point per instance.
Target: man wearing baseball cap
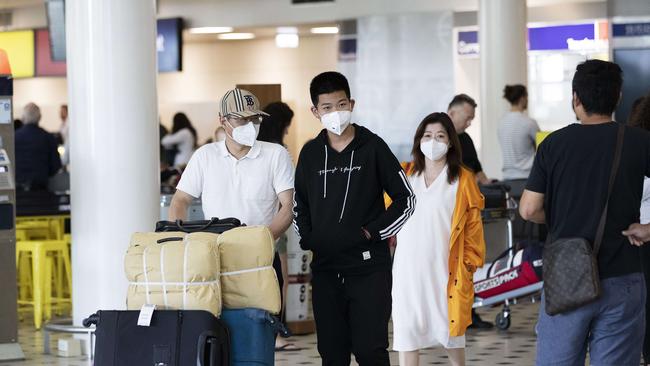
(240, 177)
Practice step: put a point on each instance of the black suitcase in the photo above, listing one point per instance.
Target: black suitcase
(496, 195)
(213, 225)
(174, 338)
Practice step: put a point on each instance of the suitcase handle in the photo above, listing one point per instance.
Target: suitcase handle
(214, 354)
(91, 320)
(212, 221)
(165, 240)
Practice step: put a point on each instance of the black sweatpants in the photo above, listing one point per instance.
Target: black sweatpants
(352, 315)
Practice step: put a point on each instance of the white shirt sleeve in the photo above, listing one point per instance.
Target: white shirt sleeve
(283, 174)
(177, 138)
(192, 179)
(534, 129)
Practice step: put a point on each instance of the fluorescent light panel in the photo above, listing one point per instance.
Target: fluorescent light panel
(235, 36)
(210, 30)
(287, 40)
(325, 30)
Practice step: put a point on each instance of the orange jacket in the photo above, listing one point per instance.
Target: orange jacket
(467, 250)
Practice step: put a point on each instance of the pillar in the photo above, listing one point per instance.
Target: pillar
(502, 38)
(115, 189)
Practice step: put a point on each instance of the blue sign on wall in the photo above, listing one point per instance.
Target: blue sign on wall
(169, 44)
(557, 37)
(631, 30)
(468, 43)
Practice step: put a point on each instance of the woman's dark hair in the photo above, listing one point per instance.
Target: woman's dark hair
(180, 122)
(597, 85)
(273, 126)
(514, 93)
(640, 115)
(328, 82)
(454, 155)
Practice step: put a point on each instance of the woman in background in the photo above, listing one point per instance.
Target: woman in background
(273, 129)
(183, 137)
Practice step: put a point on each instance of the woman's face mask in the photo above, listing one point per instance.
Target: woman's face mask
(434, 150)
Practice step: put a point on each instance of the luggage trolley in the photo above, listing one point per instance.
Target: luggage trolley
(500, 207)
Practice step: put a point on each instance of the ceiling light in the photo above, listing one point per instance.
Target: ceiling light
(210, 30)
(287, 30)
(287, 40)
(325, 30)
(236, 36)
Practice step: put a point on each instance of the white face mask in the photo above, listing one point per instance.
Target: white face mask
(246, 134)
(434, 150)
(336, 122)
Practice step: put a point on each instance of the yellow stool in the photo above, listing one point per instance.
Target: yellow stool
(44, 254)
(42, 227)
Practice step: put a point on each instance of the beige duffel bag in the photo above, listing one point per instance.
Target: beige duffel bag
(248, 279)
(174, 270)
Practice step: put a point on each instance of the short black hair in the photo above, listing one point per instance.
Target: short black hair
(513, 93)
(597, 84)
(461, 99)
(328, 82)
(273, 126)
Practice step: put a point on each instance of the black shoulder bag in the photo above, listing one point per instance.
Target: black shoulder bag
(571, 277)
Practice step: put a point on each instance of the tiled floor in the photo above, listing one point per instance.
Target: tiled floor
(515, 346)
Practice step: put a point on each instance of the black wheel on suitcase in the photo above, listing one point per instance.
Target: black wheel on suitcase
(502, 320)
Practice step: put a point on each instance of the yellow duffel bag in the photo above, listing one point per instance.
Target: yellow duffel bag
(248, 279)
(174, 270)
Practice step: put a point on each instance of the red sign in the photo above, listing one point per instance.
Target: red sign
(45, 66)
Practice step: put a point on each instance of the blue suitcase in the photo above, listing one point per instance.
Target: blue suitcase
(252, 336)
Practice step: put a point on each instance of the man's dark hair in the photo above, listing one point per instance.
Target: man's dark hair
(461, 99)
(328, 82)
(597, 85)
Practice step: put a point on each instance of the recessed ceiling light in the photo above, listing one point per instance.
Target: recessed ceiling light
(236, 36)
(210, 30)
(287, 40)
(325, 30)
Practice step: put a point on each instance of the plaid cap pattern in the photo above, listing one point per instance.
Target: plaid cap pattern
(241, 103)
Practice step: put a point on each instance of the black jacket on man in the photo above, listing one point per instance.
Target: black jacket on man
(338, 194)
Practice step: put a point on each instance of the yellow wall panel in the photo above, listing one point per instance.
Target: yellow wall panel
(19, 45)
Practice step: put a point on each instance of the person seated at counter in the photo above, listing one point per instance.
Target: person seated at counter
(37, 158)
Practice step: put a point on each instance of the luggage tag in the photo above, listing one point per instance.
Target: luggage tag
(146, 313)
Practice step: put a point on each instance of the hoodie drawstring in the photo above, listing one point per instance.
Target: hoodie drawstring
(325, 175)
(347, 187)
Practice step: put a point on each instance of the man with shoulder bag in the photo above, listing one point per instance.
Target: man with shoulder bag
(586, 185)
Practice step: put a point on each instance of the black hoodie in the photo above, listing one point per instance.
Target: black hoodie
(338, 194)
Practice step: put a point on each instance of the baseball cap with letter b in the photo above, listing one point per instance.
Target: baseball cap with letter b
(240, 103)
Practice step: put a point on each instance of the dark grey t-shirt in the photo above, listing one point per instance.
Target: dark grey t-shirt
(572, 169)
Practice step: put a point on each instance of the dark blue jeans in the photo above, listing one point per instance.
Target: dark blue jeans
(611, 328)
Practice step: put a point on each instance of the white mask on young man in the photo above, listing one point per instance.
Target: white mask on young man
(336, 122)
(434, 150)
(247, 134)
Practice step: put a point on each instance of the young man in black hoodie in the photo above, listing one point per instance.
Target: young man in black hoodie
(339, 213)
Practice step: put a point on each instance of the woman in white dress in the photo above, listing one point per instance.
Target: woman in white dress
(438, 249)
(183, 137)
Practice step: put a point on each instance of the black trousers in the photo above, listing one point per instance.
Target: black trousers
(352, 315)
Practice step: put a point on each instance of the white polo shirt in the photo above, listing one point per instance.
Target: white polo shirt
(246, 189)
